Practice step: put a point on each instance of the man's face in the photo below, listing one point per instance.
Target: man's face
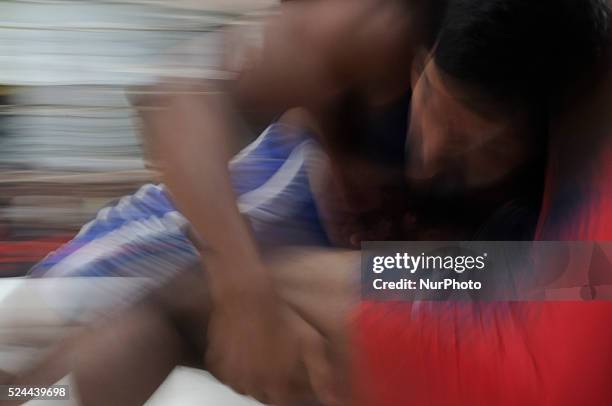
(457, 140)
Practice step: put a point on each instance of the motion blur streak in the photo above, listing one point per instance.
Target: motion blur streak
(69, 139)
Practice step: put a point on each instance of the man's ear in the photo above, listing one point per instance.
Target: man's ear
(419, 62)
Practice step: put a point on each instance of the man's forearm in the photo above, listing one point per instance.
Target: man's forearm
(193, 132)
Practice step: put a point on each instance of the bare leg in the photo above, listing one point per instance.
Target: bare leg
(122, 361)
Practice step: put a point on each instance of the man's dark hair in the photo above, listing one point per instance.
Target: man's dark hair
(520, 48)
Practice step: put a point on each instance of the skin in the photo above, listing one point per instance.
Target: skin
(122, 361)
(450, 123)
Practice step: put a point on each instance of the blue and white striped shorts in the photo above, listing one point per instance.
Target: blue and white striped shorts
(143, 235)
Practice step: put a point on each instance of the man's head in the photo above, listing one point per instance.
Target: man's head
(481, 97)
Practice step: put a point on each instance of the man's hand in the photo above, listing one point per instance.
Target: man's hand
(262, 348)
(253, 349)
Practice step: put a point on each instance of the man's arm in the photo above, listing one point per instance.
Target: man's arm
(191, 131)
(303, 62)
